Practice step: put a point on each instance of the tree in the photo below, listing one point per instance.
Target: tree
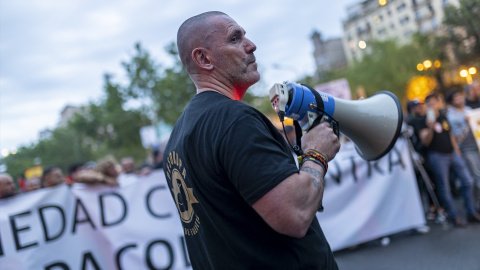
(389, 66)
(108, 128)
(464, 32)
(163, 95)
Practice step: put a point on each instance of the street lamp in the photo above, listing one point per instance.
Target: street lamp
(467, 74)
(362, 44)
(427, 64)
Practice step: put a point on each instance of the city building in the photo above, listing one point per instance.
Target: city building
(329, 54)
(69, 112)
(389, 19)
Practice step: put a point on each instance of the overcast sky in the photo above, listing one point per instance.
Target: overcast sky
(54, 53)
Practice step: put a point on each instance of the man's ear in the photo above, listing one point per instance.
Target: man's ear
(202, 59)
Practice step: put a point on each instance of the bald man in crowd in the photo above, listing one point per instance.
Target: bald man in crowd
(242, 200)
(7, 186)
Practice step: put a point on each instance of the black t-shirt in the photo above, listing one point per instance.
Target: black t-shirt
(441, 141)
(415, 138)
(223, 156)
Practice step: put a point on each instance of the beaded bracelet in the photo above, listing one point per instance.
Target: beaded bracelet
(321, 163)
(316, 154)
(316, 157)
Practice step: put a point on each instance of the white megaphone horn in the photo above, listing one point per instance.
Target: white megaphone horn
(372, 124)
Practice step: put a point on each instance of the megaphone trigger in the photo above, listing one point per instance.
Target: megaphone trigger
(335, 126)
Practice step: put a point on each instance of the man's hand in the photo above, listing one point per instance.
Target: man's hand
(322, 139)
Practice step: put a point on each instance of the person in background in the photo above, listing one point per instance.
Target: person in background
(472, 99)
(52, 176)
(7, 187)
(106, 172)
(457, 117)
(158, 155)
(443, 156)
(73, 171)
(128, 165)
(416, 111)
(32, 184)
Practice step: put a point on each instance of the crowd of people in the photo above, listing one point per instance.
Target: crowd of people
(107, 171)
(444, 140)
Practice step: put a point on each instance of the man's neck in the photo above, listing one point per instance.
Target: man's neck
(216, 86)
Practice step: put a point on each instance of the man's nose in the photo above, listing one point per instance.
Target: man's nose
(250, 46)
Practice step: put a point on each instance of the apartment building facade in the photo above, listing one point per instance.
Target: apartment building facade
(389, 19)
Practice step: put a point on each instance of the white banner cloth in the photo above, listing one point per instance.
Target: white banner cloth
(367, 200)
(132, 227)
(137, 226)
(474, 121)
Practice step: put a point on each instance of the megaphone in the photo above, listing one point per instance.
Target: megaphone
(372, 124)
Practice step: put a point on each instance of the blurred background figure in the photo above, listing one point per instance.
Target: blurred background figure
(109, 168)
(144, 169)
(128, 165)
(7, 187)
(89, 165)
(457, 116)
(444, 157)
(416, 111)
(32, 184)
(73, 171)
(106, 171)
(472, 99)
(52, 176)
(158, 155)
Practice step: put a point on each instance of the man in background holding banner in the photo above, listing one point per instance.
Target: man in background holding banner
(7, 187)
(242, 201)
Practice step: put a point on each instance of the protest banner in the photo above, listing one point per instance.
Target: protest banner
(137, 226)
(96, 227)
(367, 200)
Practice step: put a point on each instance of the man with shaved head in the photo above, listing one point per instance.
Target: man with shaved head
(242, 201)
(7, 187)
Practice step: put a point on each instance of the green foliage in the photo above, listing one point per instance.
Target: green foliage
(164, 96)
(464, 33)
(109, 129)
(389, 66)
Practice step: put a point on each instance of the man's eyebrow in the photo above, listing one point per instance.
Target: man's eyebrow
(237, 31)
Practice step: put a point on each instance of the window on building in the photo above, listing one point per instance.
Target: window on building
(401, 7)
(392, 26)
(422, 29)
(404, 20)
(445, 3)
(382, 31)
(418, 16)
(408, 33)
(434, 23)
(359, 30)
(414, 3)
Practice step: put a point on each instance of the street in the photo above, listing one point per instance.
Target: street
(451, 249)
